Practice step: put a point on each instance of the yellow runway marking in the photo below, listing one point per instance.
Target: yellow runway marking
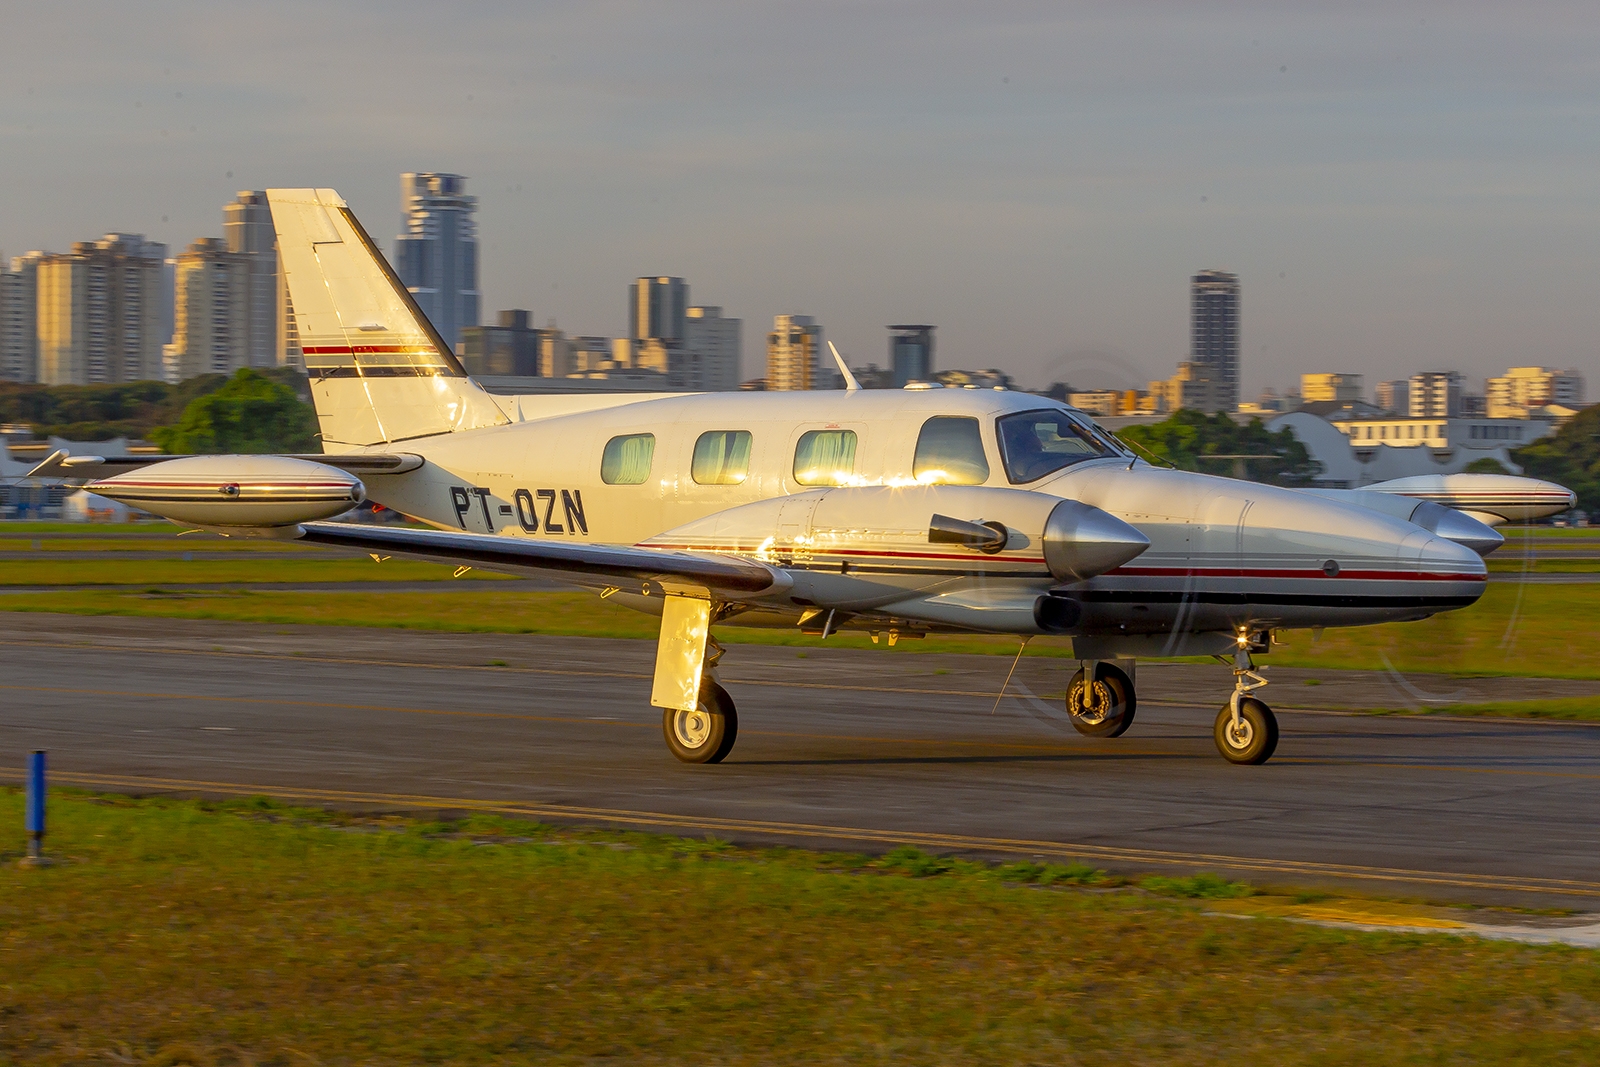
(858, 834)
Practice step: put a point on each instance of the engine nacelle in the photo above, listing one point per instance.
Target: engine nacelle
(981, 530)
(236, 491)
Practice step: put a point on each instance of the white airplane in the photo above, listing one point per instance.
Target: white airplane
(901, 513)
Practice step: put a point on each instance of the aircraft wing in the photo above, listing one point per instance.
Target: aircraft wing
(586, 564)
(60, 464)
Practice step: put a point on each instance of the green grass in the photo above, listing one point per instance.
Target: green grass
(1550, 631)
(1543, 630)
(137, 547)
(1572, 709)
(188, 933)
(35, 528)
(1562, 565)
(178, 572)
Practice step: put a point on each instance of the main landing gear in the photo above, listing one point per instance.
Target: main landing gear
(1246, 731)
(1100, 700)
(706, 734)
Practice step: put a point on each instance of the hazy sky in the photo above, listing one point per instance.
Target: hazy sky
(1399, 186)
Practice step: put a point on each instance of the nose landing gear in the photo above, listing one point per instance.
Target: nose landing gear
(1246, 731)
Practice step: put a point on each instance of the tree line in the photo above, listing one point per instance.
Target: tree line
(251, 411)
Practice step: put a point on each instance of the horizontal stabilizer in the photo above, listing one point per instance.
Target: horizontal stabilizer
(67, 467)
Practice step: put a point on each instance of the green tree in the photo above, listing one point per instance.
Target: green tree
(252, 413)
(1571, 457)
(1486, 465)
(1188, 438)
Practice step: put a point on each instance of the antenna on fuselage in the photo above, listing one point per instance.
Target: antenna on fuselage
(850, 383)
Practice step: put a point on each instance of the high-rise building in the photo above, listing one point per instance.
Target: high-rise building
(1214, 317)
(794, 349)
(1192, 388)
(1434, 395)
(511, 348)
(212, 327)
(100, 312)
(19, 319)
(911, 354)
(437, 255)
(658, 311)
(711, 345)
(555, 353)
(1511, 395)
(658, 308)
(1340, 388)
(1395, 396)
(247, 230)
(591, 354)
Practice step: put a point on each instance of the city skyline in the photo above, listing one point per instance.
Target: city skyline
(1040, 183)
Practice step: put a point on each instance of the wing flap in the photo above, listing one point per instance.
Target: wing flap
(587, 564)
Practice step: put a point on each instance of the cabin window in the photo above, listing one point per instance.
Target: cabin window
(950, 452)
(825, 457)
(626, 460)
(1036, 443)
(721, 457)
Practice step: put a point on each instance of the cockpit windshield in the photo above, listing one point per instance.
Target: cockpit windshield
(1036, 443)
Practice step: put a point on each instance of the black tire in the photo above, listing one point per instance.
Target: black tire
(707, 734)
(1106, 709)
(1257, 737)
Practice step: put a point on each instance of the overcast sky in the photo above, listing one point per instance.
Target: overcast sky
(1399, 186)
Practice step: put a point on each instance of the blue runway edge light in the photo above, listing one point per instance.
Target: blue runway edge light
(35, 809)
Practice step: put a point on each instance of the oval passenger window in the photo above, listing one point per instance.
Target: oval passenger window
(721, 457)
(825, 457)
(626, 460)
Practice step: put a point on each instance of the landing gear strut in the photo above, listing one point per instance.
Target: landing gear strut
(1246, 731)
(1102, 706)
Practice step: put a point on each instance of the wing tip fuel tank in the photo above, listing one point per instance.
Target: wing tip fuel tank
(236, 491)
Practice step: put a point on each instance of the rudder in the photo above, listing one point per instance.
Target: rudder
(379, 371)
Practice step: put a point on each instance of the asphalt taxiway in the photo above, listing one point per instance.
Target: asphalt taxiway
(837, 748)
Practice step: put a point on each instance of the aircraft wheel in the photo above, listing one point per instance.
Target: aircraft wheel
(706, 734)
(1104, 708)
(1256, 736)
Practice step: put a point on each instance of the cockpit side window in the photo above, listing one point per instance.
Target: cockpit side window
(950, 452)
(1036, 443)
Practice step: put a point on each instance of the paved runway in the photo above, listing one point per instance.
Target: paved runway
(836, 747)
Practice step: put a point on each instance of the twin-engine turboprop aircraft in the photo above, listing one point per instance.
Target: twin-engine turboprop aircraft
(900, 513)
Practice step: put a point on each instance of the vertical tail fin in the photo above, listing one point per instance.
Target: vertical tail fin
(379, 371)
